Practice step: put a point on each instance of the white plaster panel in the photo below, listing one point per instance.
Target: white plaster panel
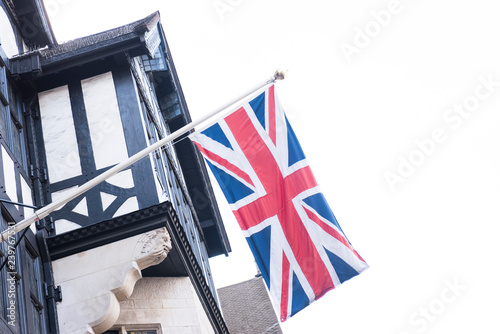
(105, 124)
(107, 199)
(124, 179)
(63, 225)
(27, 199)
(81, 207)
(7, 36)
(59, 136)
(130, 205)
(9, 176)
(58, 194)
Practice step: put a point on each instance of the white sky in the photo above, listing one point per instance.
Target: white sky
(356, 120)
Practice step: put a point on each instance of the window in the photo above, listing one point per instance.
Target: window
(10, 280)
(135, 329)
(155, 64)
(35, 289)
(11, 118)
(21, 284)
(3, 291)
(170, 106)
(15, 126)
(3, 101)
(3, 83)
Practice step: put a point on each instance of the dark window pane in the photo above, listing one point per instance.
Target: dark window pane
(16, 121)
(13, 103)
(155, 64)
(16, 141)
(3, 105)
(3, 278)
(32, 264)
(3, 84)
(3, 121)
(170, 106)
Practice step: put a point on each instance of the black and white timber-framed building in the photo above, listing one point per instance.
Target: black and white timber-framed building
(132, 253)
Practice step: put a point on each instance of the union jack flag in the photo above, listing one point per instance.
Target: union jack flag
(297, 243)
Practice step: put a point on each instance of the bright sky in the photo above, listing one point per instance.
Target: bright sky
(396, 106)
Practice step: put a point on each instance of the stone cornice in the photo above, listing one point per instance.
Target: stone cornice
(109, 231)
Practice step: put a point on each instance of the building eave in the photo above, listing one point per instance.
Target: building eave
(32, 20)
(129, 38)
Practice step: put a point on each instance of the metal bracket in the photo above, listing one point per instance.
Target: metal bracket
(20, 204)
(43, 175)
(47, 223)
(53, 292)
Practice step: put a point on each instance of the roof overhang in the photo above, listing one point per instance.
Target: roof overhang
(135, 38)
(32, 20)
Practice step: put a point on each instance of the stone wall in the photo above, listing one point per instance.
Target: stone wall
(168, 301)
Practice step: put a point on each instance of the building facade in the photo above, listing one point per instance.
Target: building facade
(131, 254)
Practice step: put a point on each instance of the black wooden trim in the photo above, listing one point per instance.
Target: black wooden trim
(87, 161)
(108, 231)
(95, 51)
(51, 302)
(81, 127)
(35, 155)
(133, 131)
(83, 71)
(80, 179)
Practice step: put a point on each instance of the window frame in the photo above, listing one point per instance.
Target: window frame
(13, 120)
(125, 329)
(3, 83)
(35, 299)
(20, 319)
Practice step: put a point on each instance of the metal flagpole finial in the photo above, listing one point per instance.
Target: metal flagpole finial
(279, 75)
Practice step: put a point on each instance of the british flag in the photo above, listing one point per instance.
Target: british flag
(297, 243)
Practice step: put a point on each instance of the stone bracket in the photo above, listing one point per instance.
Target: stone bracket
(97, 280)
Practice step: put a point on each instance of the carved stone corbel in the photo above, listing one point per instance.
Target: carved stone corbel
(152, 248)
(94, 281)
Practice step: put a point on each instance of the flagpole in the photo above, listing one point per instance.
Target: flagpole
(45, 211)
